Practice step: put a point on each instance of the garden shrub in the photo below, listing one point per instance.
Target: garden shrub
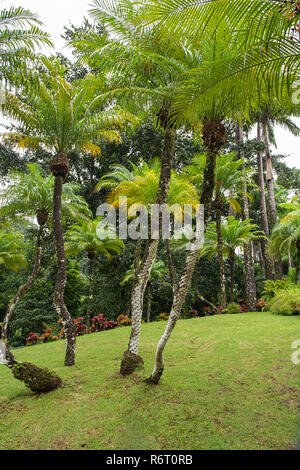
(124, 320)
(233, 307)
(286, 302)
(80, 327)
(163, 317)
(100, 323)
(271, 288)
(262, 305)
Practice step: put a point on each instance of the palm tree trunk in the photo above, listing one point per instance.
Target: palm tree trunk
(263, 209)
(220, 254)
(298, 261)
(231, 259)
(25, 287)
(214, 136)
(271, 194)
(59, 289)
(131, 360)
(91, 295)
(248, 259)
(149, 303)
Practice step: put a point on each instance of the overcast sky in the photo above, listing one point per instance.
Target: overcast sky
(59, 13)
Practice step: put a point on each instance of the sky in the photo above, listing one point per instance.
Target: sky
(56, 14)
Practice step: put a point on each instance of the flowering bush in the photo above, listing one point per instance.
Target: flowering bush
(80, 327)
(32, 339)
(100, 323)
(47, 337)
(124, 320)
(163, 317)
(222, 310)
(243, 306)
(262, 305)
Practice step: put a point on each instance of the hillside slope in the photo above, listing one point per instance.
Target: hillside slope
(229, 383)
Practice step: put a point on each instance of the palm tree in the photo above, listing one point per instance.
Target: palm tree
(147, 68)
(19, 34)
(57, 115)
(83, 237)
(31, 195)
(285, 238)
(230, 176)
(158, 271)
(236, 234)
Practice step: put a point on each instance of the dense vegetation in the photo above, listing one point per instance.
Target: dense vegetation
(158, 106)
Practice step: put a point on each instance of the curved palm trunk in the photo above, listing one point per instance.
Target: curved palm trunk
(214, 136)
(131, 360)
(59, 170)
(263, 209)
(271, 194)
(25, 287)
(248, 258)
(149, 303)
(171, 266)
(220, 254)
(91, 294)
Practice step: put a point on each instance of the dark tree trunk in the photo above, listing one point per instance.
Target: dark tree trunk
(25, 287)
(271, 195)
(131, 360)
(214, 136)
(91, 293)
(220, 252)
(59, 168)
(248, 259)
(263, 209)
(232, 260)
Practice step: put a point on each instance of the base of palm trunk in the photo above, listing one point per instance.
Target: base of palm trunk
(130, 363)
(37, 379)
(155, 377)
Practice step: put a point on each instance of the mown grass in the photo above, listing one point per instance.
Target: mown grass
(229, 383)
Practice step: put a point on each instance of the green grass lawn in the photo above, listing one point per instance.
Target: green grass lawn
(229, 383)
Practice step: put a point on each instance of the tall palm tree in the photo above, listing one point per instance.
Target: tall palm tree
(57, 115)
(285, 238)
(158, 271)
(148, 69)
(30, 194)
(83, 238)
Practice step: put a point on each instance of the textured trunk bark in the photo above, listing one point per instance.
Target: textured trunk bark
(214, 136)
(25, 287)
(248, 259)
(171, 266)
(149, 303)
(271, 195)
(220, 255)
(91, 296)
(131, 360)
(60, 284)
(263, 209)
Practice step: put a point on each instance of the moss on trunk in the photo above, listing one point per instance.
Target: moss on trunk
(130, 363)
(37, 379)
